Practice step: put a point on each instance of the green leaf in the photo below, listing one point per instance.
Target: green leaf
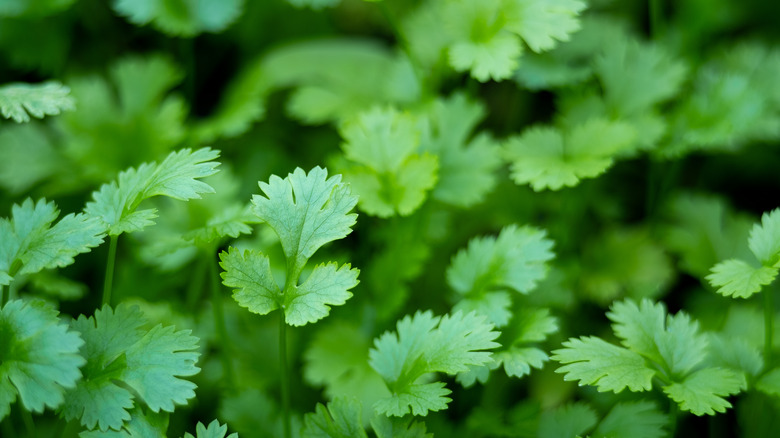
(141, 425)
(214, 430)
(337, 358)
(27, 157)
(769, 383)
(123, 360)
(640, 419)
(736, 278)
(567, 421)
(417, 399)
(177, 17)
(394, 427)
(518, 361)
(764, 240)
(549, 158)
(250, 273)
(341, 419)
(702, 392)
(29, 243)
(176, 177)
(734, 353)
(495, 58)
(466, 168)
(387, 174)
(636, 75)
(39, 356)
(306, 211)
(494, 305)
(593, 361)
(426, 344)
(516, 259)
(314, 4)
(543, 22)
(20, 101)
(327, 285)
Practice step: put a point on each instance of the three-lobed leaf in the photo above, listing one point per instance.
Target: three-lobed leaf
(20, 101)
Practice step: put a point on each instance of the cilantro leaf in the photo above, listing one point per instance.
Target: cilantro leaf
(769, 383)
(764, 240)
(250, 273)
(306, 211)
(495, 58)
(637, 75)
(395, 427)
(314, 4)
(337, 358)
(390, 177)
(30, 243)
(516, 259)
(39, 356)
(593, 361)
(214, 430)
(737, 278)
(425, 344)
(122, 356)
(176, 177)
(466, 168)
(27, 157)
(702, 391)
(640, 419)
(328, 284)
(20, 101)
(735, 353)
(543, 22)
(566, 421)
(141, 425)
(549, 158)
(187, 19)
(341, 419)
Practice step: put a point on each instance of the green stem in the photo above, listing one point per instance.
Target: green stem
(29, 424)
(673, 413)
(109, 280)
(284, 373)
(769, 313)
(195, 287)
(655, 18)
(4, 291)
(219, 322)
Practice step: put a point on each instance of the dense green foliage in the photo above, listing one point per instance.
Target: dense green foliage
(354, 218)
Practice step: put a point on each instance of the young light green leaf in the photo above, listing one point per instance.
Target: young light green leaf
(702, 391)
(214, 430)
(764, 240)
(327, 285)
(495, 58)
(640, 419)
(19, 101)
(187, 19)
(518, 361)
(566, 421)
(341, 419)
(542, 22)
(735, 353)
(250, 273)
(39, 356)
(306, 211)
(426, 344)
(517, 259)
(550, 158)
(593, 361)
(123, 360)
(637, 326)
(29, 243)
(494, 305)
(176, 177)
(388, 174)
(738, 279)
(769, 383)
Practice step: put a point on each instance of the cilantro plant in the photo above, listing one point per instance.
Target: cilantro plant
(373, 218)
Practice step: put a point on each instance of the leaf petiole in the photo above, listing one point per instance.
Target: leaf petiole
(284, 374)
(109, 279)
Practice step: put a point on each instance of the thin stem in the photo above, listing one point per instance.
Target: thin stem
(4, 291)
(109, 280)
(656, 19)
(673, 413)
(769, 313)
(285, 374)
(219, 322)
(27, 418)
(195, 287)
